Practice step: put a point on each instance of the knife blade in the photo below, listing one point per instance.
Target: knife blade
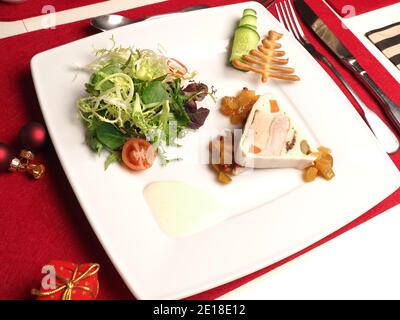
(327, 36)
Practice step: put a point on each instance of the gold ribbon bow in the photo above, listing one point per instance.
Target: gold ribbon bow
(70, 284)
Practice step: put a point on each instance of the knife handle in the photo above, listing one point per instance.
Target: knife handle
(391, 108)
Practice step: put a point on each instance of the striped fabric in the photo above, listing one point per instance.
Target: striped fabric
(387, 40)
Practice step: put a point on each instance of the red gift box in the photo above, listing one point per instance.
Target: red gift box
(68, 281)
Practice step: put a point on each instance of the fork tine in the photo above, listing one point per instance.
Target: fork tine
(287, 15)
(279, 14)
(285, 20)
(282, 16)
(296, 20)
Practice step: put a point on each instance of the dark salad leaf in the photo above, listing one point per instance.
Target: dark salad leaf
(92, 141)
(178, 103)
(110, 136)
(191, 106)
(196, 92)
(198, 118)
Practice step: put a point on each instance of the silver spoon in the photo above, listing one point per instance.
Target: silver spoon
(111, 21)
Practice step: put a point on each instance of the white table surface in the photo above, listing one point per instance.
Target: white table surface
(363, 263)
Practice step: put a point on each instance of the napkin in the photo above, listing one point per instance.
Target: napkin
(387, 40)
(351, 8)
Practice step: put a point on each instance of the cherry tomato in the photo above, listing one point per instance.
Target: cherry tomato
(138, 154)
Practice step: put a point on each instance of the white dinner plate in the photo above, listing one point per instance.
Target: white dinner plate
(267, 214)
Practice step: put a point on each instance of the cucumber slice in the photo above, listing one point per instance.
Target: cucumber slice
(250, 26)
(248, 19)
(249, 11)
(245, 39)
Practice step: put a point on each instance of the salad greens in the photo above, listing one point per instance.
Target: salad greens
(138, 93)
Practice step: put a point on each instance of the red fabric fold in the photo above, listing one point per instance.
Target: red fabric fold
(351, 8)
(42, 220)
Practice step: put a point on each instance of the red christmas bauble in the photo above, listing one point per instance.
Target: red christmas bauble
(5, 157)
(32, 136)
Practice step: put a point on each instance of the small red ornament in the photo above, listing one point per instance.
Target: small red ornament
(5, 157)
(32, 136)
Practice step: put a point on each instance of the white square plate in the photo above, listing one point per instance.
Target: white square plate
(269, 214)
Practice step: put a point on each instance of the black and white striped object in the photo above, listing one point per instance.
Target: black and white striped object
(387, 40)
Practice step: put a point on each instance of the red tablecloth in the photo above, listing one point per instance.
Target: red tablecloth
(33, 8)
(42, 220)
(350, 8)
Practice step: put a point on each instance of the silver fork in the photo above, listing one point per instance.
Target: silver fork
(383, 133)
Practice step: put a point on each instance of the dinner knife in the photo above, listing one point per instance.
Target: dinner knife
(327, 36)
